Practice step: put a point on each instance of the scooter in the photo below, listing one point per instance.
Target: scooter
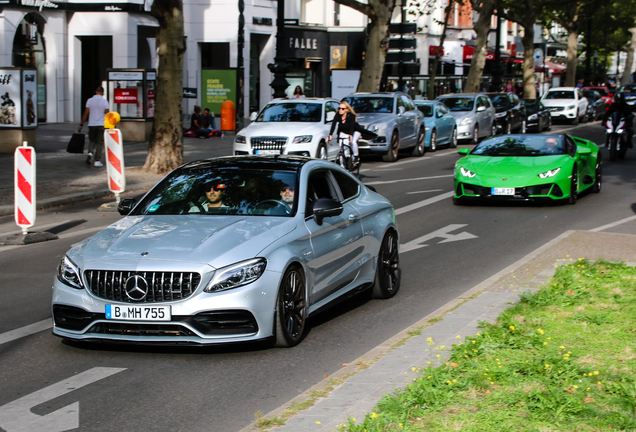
(616, 136)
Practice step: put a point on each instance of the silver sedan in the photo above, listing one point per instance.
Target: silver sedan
(234, 249)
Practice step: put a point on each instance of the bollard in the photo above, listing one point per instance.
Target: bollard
(228, 116)
(25, 202)
(114, 155)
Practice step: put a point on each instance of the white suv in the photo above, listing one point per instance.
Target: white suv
(292, 127)
(566, 103)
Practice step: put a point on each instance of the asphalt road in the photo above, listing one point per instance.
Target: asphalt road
(221, 388)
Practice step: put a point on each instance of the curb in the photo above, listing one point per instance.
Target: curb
(6, 210)
(381, 350)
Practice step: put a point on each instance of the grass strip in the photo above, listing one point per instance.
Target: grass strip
(562, 359)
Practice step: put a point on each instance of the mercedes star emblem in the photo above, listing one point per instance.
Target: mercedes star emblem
(136, 288)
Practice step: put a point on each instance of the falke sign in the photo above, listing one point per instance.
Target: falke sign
(303, 43)
(125, 96)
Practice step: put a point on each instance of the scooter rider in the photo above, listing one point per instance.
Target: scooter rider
(621, 107)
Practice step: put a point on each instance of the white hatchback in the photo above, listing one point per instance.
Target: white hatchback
(292, 127)
(567, 103)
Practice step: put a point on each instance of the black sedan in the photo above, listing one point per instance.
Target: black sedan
(510, 113)
(538, 115)
(596, 106)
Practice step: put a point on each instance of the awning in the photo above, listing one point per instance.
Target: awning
(550, 67)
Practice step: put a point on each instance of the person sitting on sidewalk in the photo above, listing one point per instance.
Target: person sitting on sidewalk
(209, 127)
(96, 109)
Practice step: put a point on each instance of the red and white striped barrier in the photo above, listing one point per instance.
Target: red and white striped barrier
(115, 161)
(25, 204)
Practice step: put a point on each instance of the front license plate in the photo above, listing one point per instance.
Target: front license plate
(502, 191)
(267, 152)
(138, 313)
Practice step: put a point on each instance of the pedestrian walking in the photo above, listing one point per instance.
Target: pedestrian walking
(96, 109)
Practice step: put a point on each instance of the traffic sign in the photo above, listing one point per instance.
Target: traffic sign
(25, 187)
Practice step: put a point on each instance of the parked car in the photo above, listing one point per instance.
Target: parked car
(441, 126)
(394, 118)
(566, 103)
(510, 113)
(549, 168)
(630, 94)
(538, 116)
(290, 237)
(596, 105)
(290, 126)
(474, 113)
(605, 93)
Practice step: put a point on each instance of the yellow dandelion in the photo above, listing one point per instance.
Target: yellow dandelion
(429, 377)
(437, 355)
(512, 327)
(458, 337)
(562, 347)
(540, 331)
(576, 386)
(456, 381)
(374, 415)
(595, 372)
(317, 422)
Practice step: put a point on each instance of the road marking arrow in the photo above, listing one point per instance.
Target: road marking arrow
(16, 416)
(440, 233)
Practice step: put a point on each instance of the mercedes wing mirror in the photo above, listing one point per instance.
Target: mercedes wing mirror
(326, 207)
(125, 206)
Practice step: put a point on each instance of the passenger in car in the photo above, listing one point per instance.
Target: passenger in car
(212, 198)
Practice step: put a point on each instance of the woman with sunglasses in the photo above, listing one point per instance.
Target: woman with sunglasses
(345, 121)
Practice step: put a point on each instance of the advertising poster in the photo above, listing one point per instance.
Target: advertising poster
(30, 98)
(10, 100)
(217, 86)
(344, 82)
(125, 95)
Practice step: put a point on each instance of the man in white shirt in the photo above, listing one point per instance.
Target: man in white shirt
(96, 109)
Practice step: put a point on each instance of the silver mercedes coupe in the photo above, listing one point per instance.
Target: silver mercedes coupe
(234, 249)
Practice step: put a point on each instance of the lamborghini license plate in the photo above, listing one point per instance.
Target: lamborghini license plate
(502, 191)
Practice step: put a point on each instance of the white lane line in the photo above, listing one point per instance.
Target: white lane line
(26, 331)
(426, 191)
(411, 179)
(613, 224)
(424, 203)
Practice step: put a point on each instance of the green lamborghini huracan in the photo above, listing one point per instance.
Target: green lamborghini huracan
(529, 167)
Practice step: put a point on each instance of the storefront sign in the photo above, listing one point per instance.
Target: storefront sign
(30, 98)
(10, 100)
(338, 57)
(125, 76)
(39, 4)
(302, 43)
(217, 86)
(125, 95)
(344, 82)
(469, 51)
(262, 21)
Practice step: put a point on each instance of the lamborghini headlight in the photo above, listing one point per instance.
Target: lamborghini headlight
(550, 173)
(302, 139)
(236, 275)
(69, 274)
(466, 173)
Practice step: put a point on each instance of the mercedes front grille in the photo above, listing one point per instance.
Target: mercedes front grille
(161, 286)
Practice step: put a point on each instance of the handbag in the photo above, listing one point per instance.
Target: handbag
(76, 144)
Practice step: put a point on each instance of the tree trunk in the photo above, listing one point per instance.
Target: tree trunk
(629, 63)
(165, 151)
(431, 81)
(375, 55)
(572, 62)
(529, 90)
(482, 27)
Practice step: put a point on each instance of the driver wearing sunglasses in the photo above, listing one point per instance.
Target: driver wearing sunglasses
(287, 195)
(213, 197)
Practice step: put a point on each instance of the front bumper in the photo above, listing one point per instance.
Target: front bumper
(564, 114)
(305, 149)
(243, 314)
(546, 192)
(378, 145)
(465, 132)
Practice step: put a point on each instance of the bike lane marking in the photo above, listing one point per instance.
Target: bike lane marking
(380, 182)
(613, 224)
(16, 416)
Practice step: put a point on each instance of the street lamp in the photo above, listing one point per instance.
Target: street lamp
(280, 66)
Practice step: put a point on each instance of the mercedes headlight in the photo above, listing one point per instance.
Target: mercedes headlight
(533, 117)
(69, 274)
(571, 107)
(240, 139)
(467, 173)
(466, 121)
(236, 275)
(302, 139)
(550, 173)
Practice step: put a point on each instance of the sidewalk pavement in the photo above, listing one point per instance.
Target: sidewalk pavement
(353, 391)
(64, 178)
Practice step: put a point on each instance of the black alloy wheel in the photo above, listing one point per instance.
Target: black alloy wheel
(524, 127)
(549, 123)
(433, 141)
(388, 274)
(291, 308)
(392, 155)
(508, 127)
(420, 145)
(613, 151)
(598, 176)
(574, 184)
